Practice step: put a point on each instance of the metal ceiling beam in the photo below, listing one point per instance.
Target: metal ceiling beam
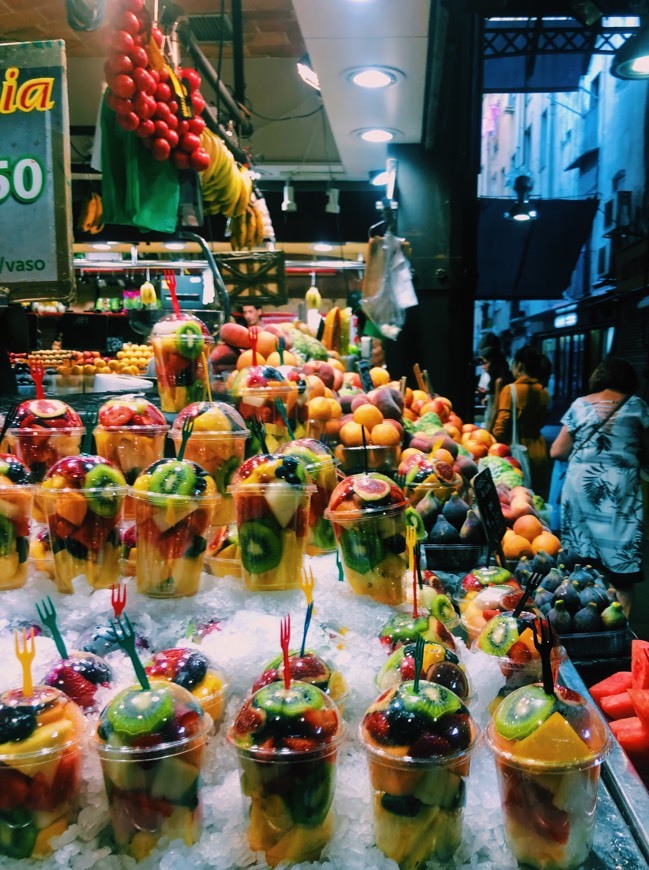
(539, 8)
(503, 40)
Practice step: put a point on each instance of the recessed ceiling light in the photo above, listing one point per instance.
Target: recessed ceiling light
(322, 247)
(379, 177)
(373, 76)
(101, 246)
(376, 134)
(175, 246)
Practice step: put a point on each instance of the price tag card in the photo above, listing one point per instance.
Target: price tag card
(35, 203)
(489, 507)
(364, 372)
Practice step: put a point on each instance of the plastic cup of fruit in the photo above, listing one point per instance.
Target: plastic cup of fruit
(79, 677)
(174, 504)
(255, 390)
(16, 499)
(272, 522)
(368, 516)
(131, 434)
(151, 746)
(439, 665)
(483, 606)
(548, 751)
(223, 557)
(320, 464)
(309, 668)
(41, 746)
(41, 557)
(418, 766)
(287, 744)
(191, 669)
(44, 431)
(218, 444)
(83, 497)
(181, 345)
(510, 641)
(381, 458)
(403, 628)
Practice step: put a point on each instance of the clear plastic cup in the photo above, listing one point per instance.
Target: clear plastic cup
(381, 458)
(41, 557)
(272, 524)
(39, 449)
(40, 774)
(15, 520)
(479, 608)
(155, 791)
(548, 780)
(259, 402)
(288, 792)
(171, 535)
(181, 346)
(82, 541)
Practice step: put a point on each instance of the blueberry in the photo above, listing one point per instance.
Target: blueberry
(192, 672)
(16, 723)
(293, 479)
(96, 672)
(281, 472)
(291, 463)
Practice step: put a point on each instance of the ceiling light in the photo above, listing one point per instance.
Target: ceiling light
(101, 246)
(174, 246)
(373, 76)
(333, 206)
(631, 60)
(376, 134)
(522, 210)
(379, 177)
(322, 247)
(307, 73)
(288, 203)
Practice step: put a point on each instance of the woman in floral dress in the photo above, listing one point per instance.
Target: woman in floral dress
(604, 435)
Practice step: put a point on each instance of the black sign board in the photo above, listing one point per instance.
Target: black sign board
(490, 510)
(364, 372)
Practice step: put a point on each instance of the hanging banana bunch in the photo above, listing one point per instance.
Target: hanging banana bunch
(90, 216)
(227, 187)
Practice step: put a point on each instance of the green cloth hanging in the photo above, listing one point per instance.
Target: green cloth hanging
(136, 189)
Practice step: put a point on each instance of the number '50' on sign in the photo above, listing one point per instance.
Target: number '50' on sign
(24, 181)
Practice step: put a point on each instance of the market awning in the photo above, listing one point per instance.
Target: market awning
(533, 260)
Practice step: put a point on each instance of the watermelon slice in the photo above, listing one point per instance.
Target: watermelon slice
(633, 737)
(640, 700)
(640, 663)
(620, 706)
(613, 685)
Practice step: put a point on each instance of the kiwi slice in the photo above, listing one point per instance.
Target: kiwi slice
(432, 700)
(498, 635)
(107, 480)
(190, 341)
(223, 474)
(261, 546)
(172, 478)
(291, 702)
(414, 519)
(7, 536)
(371, 488)
(135, 713)
(521, 713)
(362, 550)
(442, 609)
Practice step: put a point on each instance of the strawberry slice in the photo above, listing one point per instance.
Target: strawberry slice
(249, 720)
(72, 684)
(115, 415)
(377, 725)
(14, 788)
(165, 664)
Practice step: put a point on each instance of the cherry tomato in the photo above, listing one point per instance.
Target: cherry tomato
(161, 149)
(189, 142)
(145, 129)
(163, 92)
(143, 81)
(129, 121)
(139, 56)
(197, 102)
(122, 42)
(161, 111)
(158, 36)
(192, 77)
(144, 105)
(122, 107)
(155, 75)
(161, 129)
(110, 101)
(164, 74)
(173, 106)
(172, 122)
(118, 63)
(199, 160)
(196, 126)
(123, 86)
(129, 22)
(181, 159)
(172, 138)
(183, 127)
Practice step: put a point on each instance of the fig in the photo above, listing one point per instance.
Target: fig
(455, 510)
(542, 563)
(371, 488)
(613, 616)
(472, 531)
(428, 509)
(443, 532)
(588, 618)
(553, 579)
(594, 594)
(569, 594)
(559, 618)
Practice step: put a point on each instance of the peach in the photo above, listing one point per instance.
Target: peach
(396, 425)
(528, 526)
(410, 451)
(339, 379)
(520, 507)
(357, 401)
(476, 448)
(547, 542)
(483, 435)
(332, 428)
(520, 492)
(469, 427)
(336, 409)
(315, 386)
(245, 360)
(351, 435)
(385, 435)
(319, 408)
(443, 455)
(442, 407)
(499, 449)
(454, 420)
(336, 364)
(353, 379)
(368, 415)
(453, 431)
(420, 396)
(266, 343)
(515, 546)
(274, 359)
(380, 377)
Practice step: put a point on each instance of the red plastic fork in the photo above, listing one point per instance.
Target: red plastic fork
(118, 598)
(253, 334)
(285, 639)
(37, 371)
(170, 278)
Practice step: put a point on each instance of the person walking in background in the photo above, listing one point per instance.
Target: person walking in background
(532, 400)
(605, 435)
(496, 365)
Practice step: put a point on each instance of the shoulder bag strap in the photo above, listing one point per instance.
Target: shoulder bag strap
(601, 424)
(512, 387)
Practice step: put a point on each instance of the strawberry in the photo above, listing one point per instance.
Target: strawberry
(265, 679)
(165, 664)
(72, 684)
(14, 787)
(429, 745)
(323, 723)
(378, 727)
(299, 744)
(249, 720)
(407, 668)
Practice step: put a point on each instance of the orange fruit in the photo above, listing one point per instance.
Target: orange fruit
(547, 542)
(336, 364)
(420, 396)
(351, 434)
(245, 359)
(332, 427)
(368, 415)
(380, 377)
(319, 409)
(515, 546)
(528, 527)
(443, 455)
(336, 410)
(385, 435)
(316, 386)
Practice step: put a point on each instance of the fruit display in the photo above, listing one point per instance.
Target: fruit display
(175, 501)
(319, 462)
(180, 345)
(439, 665)
(192, 670)
(223, 556)
(16, 497)
(478, 609)
(272, 496)
(308, 668)
(82, 366)
(548, 750)
(404, 628)
(503, 470)
(510, 639)
(218, 444)
(525, 515)
(422, 476)
(376, 418)
(479, 578)
(255, 389)
(131, 434)
(369, 520)
(287, 741)
(79, 676)
(83, 498)
(418, 738)
(151, 745)
(252, 227)
(41, 742)
(42, 432)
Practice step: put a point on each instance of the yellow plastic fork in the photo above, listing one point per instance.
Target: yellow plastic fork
(25, 656)
(307, 584)
(411, 543)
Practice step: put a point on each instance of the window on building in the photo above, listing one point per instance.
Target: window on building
(527, 147)
(609, 213)
(602, 260)
(544, 139)
(618, 180)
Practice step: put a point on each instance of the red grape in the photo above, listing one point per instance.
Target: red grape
(139, 56)
(144, 105)
(163, 92)
(157, 35)
(129, 121)
(173, 106)
(145, 129)
(122, 107)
